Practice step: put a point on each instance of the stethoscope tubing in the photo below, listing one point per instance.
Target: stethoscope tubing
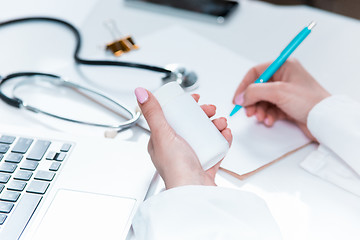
(19, 103)
(76, 56)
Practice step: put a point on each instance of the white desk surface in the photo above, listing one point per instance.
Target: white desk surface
(304, 206)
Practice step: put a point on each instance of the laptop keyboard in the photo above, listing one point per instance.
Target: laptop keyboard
(28, 166)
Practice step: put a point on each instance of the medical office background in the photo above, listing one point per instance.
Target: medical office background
(349, 8)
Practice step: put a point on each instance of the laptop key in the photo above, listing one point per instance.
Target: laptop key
(2, 218)
(7, 167)
(15, 185)
(4, 148)
(5, 207)
(38, 187)
(7, 139)
(51, 155)
(23, 175)
(44, 175)
(10, 196)
(2, 186)
(20, 216)
(29, 165)
(65, 147)
(60, 156)
(38, 150)
(4, 178)
(55, 166)
(14, 157)
(22, 145)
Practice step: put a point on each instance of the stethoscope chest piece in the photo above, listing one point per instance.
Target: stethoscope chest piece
(187, 79)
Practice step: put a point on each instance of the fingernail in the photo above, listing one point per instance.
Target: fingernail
(239, 100)
(141, 95)
(267, 122)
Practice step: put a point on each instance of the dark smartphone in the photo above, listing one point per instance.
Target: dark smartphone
(217, 8)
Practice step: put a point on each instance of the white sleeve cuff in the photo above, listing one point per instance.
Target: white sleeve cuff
(204, 212)
(335, 123)
(327, 165)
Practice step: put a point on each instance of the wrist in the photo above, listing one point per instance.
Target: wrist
(319, 98)
(190, 178)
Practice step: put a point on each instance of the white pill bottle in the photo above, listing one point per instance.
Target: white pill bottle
(190, 122)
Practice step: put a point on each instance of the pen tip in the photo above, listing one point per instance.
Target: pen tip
(311, 25)
(235, 110)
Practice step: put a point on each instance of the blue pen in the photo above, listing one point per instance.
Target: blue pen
(267, 74)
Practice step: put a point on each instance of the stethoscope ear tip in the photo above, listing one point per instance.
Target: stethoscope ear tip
(111, 133)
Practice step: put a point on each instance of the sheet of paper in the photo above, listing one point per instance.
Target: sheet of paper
(255, 145)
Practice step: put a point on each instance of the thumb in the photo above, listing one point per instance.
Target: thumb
(151, 110)
(273, 92)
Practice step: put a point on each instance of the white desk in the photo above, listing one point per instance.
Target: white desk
(304, 206)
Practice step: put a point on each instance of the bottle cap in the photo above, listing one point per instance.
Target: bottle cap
(168, 92)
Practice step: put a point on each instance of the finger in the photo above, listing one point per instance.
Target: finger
(220, 123)
(271, 116)
(227, 135)
(196, 97)
(261, 109)
(151, 110)
(209, 109)
(272, 92)
(250, 110)
(250, 77)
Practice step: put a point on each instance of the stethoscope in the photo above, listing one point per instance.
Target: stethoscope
(60, 82)
(186, 79)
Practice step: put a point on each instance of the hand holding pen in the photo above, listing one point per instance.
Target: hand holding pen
(284, 55)
(290, 94)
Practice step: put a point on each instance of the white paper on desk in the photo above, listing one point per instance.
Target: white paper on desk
(255, 145)
(220, 71)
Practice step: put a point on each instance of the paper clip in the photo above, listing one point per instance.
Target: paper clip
(121, 44)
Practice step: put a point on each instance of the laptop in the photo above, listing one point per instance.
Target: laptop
(54, 186)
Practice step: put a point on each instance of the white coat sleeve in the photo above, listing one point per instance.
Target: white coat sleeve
(335, 123)
(204, 212)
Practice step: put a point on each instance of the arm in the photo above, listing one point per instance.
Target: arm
(192, 207)
(204, 212)
(335, 123)
(293, 94)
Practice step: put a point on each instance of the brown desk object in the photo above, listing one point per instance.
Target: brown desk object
(249, 174)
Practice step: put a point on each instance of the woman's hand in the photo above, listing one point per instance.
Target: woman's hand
(290, 94)
(172, 156)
